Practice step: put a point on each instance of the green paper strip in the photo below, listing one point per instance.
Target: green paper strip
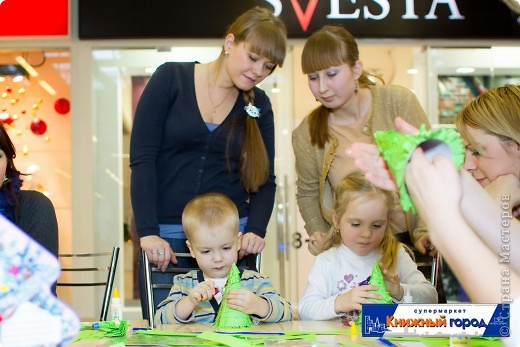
(89, 335)
(166, 333)
(227, 340)
(329, 332)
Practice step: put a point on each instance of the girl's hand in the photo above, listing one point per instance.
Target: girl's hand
(316, 241)
(353, 299)
(250, 244)
(158, 251)
(203, 291)
(393, 285)
(248, 302)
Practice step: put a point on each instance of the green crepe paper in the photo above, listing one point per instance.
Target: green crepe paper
(228, 317)
(377, 279)
(104, 329)
(397, 148)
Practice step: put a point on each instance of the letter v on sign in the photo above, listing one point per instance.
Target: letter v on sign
(304, 17)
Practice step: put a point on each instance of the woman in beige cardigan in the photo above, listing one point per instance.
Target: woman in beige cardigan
(352, 108)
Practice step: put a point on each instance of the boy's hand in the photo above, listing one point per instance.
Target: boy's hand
(248, 302)
(203, 291)
(392, 283)
(353, 299)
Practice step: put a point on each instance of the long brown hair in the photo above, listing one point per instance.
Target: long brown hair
(12, 174)
(354, 187)
(266, 35)
(329, 46)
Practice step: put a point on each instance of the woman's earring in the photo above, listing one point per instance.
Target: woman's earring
(356, 88)
(226, 53)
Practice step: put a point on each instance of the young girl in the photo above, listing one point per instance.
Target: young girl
(363, 235)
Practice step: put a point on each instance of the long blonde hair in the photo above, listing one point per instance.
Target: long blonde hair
(354, 187)
(329, 46)
(497, 112)
(266, 35)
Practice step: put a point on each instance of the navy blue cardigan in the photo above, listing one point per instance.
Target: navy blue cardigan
(174, 157)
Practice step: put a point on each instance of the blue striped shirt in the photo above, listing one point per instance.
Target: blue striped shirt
(279, 308)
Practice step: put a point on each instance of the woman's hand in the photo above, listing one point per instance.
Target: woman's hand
(316, 241)
(368, 159)
(248, 302)
(424, 245)
(371, 163)
(425, 179)
(250, 244)
(506, 189)
(158, 251)
(353, 299)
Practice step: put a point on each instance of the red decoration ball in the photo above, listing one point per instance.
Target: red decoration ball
(62, 106)
(6, 118)
(38, 126)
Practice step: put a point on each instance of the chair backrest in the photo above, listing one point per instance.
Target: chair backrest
(94, 258)
(151, 286)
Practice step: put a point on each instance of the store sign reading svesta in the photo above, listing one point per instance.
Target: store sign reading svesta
(364, 12)
(379, 19)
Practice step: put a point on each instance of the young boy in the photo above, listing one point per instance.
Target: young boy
(210, 222)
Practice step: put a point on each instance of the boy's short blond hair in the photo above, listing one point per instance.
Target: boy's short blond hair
(209, 210)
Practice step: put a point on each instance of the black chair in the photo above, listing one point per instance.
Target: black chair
(91, 258)
(150, 286)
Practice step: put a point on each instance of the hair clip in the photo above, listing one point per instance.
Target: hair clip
(252, 111)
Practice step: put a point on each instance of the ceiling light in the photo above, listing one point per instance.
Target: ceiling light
(20, 60)
(47, 87)
(412, 71)
(465, 70)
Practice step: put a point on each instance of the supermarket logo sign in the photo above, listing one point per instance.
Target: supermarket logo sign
(486, 320)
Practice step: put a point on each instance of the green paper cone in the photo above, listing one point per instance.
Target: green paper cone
(376, 279)
(228, 317)
(397, 148)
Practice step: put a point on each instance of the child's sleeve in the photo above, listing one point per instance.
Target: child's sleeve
(422, 290)
(279, 308)
(318, 300)
(165, 312)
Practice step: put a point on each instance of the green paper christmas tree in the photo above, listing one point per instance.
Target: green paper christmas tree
(228, 317)
(397, 148)
(377, 279)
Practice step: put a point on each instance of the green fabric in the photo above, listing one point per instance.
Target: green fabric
(228, 317)
(397, 148)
